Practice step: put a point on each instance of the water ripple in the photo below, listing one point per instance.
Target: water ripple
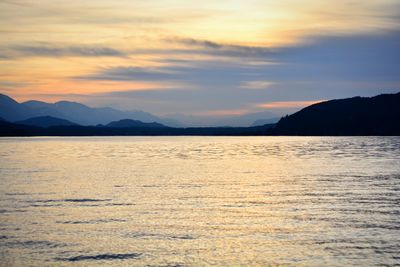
(107, 256)
(199, 201)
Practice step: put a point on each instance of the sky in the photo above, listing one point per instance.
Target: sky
(204, 58)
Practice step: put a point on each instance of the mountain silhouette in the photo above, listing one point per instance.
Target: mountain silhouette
(127, 123)
(13, 129)
(379, 115)
(13, 111)
(46, 121)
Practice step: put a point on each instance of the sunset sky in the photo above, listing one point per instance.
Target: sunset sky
(199, 57)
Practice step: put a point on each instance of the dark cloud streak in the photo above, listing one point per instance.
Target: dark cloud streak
(51, 50)
(132, 74)
(227, 48)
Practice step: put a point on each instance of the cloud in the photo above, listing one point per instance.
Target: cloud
(54, 50)
(288, 104)
(194, 42)
(11, 84)
(129, 73)
(196, 74)
(70, 13)
(256, 84)
(222, 48)
(346, 58)
(327, 67)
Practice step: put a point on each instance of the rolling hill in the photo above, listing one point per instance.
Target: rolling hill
(379, 115)
(46, 121)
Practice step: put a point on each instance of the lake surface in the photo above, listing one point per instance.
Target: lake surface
(199, 201)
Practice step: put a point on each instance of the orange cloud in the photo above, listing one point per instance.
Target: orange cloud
(55, 90)
(257, 84)
(288, 104)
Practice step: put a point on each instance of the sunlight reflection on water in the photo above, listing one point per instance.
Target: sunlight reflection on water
(190, 201)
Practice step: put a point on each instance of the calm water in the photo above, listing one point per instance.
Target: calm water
(197, 201)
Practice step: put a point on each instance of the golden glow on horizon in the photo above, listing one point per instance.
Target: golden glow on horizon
(288, 104)
(270, 105)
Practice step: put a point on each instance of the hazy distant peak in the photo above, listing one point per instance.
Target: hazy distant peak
(107, 109)
(71, 104)
(36, 104)
(7, 99)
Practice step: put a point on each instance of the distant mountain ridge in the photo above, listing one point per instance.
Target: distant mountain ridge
(378, 115)
(81, 114)
(261, 122)
(46, 121)
(13, 111)
(242, 120)
(127, 123)
(13, 129)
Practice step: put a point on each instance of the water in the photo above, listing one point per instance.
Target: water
(198, 201)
